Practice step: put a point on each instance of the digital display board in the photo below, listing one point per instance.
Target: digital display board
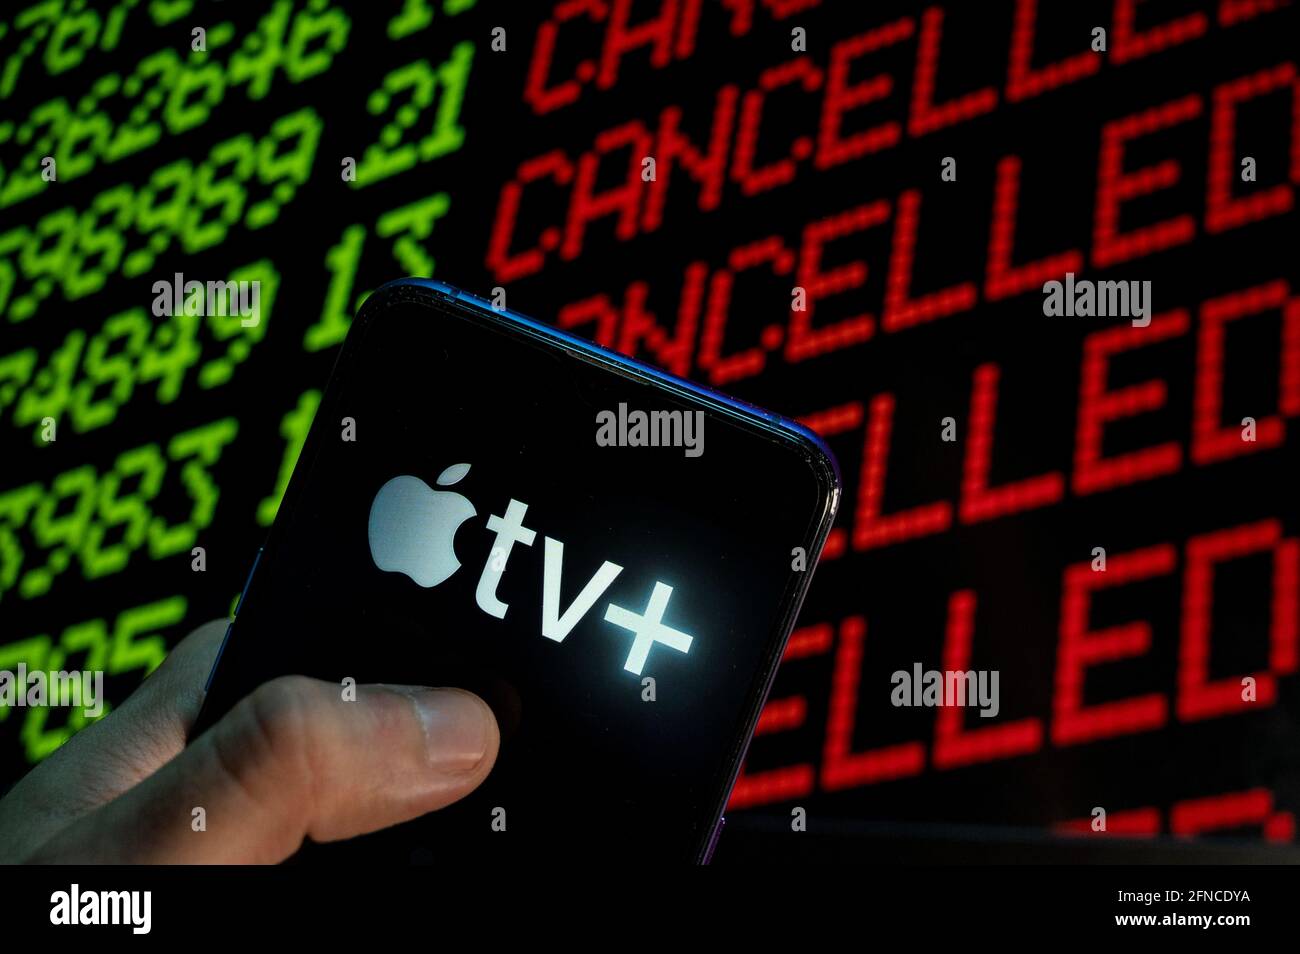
(1029, 267)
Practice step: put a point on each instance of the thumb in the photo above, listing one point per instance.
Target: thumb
(295, 760)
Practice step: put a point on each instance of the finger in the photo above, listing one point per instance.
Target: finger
(114, 754)
(149, 729)
(295, 760)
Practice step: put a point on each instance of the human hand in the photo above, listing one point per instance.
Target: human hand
(292, 760)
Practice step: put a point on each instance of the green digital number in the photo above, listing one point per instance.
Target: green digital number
(15, 371)
(137, 643)
(160, 218)
(83, 251)
(448, 135)
(416, 82)
(198, 88)
(170, 354)
(127, 511)
(308, 27)
(225, 193)
(105, 520)
(59, 533)
(51, 390)
(100, 242)
(112, 32)
(41, 134)
(15, 506)
(36, 19)
(88, 131)
(31, 652)
(294, 427)
(231, 328)
(11, 242)
(81, 145)
(110, 361)
(43, 262)
(257, 60)
(410, 226)
(387, 157)
(74, 35)
(149, 83)
(285, 169)
(91, 639)
(336, 317)
(200, 449)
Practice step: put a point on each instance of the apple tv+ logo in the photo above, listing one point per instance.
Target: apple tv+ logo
(412, 526)
(413, 531)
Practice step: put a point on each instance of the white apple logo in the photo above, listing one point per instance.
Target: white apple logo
(413, 527)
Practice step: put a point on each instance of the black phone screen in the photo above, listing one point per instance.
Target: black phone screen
(611, 564)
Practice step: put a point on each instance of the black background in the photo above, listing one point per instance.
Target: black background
(1015, 563)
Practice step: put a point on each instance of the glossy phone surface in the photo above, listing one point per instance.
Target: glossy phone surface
(612, 558)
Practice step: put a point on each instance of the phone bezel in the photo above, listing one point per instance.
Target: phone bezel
(441, 297)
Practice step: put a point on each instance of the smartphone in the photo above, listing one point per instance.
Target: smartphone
(610, 556)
